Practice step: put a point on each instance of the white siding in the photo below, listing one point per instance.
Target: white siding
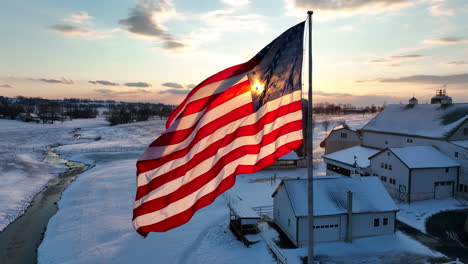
(377, 140)
(335, 141)
(399, 172)
(459, 133)
(423, 181)
(283, 214)
(363, 224)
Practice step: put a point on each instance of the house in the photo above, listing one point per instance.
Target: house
(288, 161)
(341, 137)
(344, 208)
(442, 125)
(416, 173)
(345, 161)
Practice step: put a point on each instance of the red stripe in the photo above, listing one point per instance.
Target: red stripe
(204, 178)
(174, 137)
(214, 100)
(224, 74)
(185, 216)
(147, 165)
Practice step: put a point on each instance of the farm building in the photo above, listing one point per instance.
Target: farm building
(344, 208)
(341, 137)
(345, 161)
(288, 161)
(416, 173)
(442, 126)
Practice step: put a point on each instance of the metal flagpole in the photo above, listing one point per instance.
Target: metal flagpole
(310, 165)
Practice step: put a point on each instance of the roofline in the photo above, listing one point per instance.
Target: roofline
(451, 142)
(457, 127)
(402, 134)
(354, 213)
(414, 168)
(352, 165)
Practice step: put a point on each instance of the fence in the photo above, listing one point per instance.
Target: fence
(272, 246)
(457, 261)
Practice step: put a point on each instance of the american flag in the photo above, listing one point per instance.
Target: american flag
(237, 121)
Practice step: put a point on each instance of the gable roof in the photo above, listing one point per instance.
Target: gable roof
(289, 156)
(461, 143)
(424, 120)
(330, 195)
(420, 157)
(346, 156)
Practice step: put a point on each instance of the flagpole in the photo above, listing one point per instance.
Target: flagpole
(310, 165)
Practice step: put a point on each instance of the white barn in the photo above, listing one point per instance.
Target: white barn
(341, 137)
(346, 161)
(443, 126)
(416, 173)
(371, 213)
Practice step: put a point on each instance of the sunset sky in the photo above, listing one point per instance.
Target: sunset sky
(365, 51)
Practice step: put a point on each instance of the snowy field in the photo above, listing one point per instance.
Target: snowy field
(93, 224)
(417, 213)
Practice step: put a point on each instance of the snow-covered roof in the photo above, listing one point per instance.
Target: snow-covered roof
(425, 120)
(330, 195)
(290, 156)
(419, 157)
(346, 156)
(461, 143)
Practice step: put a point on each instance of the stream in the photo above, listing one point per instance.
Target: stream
(21, 238)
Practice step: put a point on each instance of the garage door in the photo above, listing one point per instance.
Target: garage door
(443, 189)
(326, 229)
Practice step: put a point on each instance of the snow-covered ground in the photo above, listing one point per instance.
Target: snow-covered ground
(93, 223)
(379, 249)
(417, 213)
(23, 172)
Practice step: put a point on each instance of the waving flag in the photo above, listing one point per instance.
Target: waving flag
(237, 121)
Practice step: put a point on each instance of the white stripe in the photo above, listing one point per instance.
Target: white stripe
(161, 151)
(213, 114)
(188, 201)
(157, 152)
(211, 89)
(209, 162)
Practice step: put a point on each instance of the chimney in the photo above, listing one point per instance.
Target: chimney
(349, 220)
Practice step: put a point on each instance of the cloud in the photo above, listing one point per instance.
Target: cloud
(446, 40)
(63, 80)
(173, 85)
(74, 31)
(104, 91)
(341, 8)
(78, 17)
(397, 57)
(174, 91)
(440, 9)
(190, 86)
(457, 62)
(109, 92)
(326, 94)
(5, 86)
(104, 83)
(137, 84)
(424, 79)
(409, 56)
(146, 19)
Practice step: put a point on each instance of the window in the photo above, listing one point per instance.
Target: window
(376, 221)
(289, 222)
(456, 154)
(386, 142)
(390, 166)
(385, 221)
(383, 178)
(388, 153)
(344, 135)
(338, 169)
(381, 165)
(409, 140)
(386, 166)
(446, 170)
(460, 188)
(391, 180)
(465, 131)
(465, 188)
